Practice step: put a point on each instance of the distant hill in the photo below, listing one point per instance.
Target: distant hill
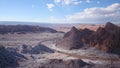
(4, 29)
(43, 24)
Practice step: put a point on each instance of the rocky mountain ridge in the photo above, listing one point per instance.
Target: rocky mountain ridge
(104, 38)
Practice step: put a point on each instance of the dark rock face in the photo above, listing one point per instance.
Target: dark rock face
(84, 35)
(71, 40)
(59, 63)
(7, 59)
(105, 38)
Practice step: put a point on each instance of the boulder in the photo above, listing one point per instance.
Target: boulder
(7, 59)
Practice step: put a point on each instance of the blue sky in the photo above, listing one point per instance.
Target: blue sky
(60, 11)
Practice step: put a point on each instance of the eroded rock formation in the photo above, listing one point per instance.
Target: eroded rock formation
(71, 40)
(107, 38)
(104, 38)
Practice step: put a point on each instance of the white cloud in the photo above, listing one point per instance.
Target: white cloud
(77, 2)
(68, 2)
(94, 15)
(57, 1)
(88, 1)
(50, 6)
(113, 7)
(110, 13)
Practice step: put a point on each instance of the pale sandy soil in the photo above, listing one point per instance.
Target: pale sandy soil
(79, 26)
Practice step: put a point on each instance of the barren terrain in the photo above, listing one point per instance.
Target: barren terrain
(39, 57)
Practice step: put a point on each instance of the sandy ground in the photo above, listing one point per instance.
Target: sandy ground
(49, 39)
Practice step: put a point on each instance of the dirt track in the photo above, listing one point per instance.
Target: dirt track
(88, 57)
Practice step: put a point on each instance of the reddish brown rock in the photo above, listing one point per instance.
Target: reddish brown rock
(104, 38)
(107, 38)
(74, 39)
(84, 34)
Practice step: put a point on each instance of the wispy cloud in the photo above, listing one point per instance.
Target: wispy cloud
(68, 2)
(88, 1)
(57, 1)
(77, 2)
(50, 6)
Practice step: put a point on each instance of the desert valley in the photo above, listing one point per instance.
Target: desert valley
(79, 46)
(59, 33)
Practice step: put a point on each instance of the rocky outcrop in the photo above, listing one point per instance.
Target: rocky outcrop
(84, 34)
(39, 49)
(104, 38)
(107, 38)
(74, 39)
(7, 59)
(71, 40)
